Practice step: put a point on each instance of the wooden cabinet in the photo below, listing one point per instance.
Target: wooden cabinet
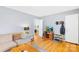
(49, 35)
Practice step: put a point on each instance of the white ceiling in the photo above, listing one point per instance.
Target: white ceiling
(43, 10)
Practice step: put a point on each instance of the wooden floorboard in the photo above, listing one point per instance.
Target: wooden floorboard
(24, 47)
(52, 46)
(46, 44)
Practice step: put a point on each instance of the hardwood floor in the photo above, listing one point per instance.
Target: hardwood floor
(54, 46)
(24, 47)
(46, 44)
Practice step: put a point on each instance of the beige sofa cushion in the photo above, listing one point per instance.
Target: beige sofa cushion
(5, 38)
(7, 45)
(6, 42)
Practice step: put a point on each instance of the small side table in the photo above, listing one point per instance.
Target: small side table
(49, 35)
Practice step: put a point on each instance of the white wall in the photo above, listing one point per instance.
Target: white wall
(73, 35)
(71, 26)
(51, 21)
(12, 21)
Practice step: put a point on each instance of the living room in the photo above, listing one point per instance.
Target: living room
(29, 29)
